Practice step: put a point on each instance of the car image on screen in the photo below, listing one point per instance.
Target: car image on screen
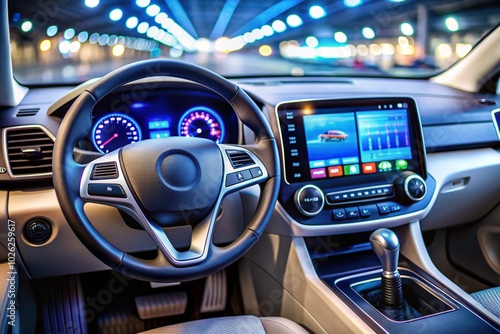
(333, 135)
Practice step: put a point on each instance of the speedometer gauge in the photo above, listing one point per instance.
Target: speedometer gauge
(114, 131)
(202, 122)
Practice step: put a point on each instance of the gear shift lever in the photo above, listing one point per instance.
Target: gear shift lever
(385, 244)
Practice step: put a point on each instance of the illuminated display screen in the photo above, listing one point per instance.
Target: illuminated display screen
(334, 142)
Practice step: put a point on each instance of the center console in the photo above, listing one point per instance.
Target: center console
(355, 160)
(351, 166)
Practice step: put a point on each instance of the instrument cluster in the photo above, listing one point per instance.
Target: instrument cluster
(119, 120)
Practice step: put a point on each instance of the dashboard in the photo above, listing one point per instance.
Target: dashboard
(339, 174)
(134, 115)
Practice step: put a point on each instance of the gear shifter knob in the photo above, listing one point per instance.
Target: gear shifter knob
(385, 244)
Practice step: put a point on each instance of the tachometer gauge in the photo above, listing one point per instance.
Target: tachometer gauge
(202, 122)
(114, 131)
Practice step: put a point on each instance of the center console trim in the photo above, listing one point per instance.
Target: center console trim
(288, 226)
(425, 284)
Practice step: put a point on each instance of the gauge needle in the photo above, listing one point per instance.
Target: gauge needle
(110, 139)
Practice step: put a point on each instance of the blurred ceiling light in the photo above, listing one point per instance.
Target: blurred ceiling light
(118, 50)
(153, 10)
(267, 30)
(94, 38)
(26, 26)
(387, 49)
(115, 14)
(142, 3)
(334, 52)
(265, 50)
(368, 33)
(248, 37)
(403, 40)
(203, 45)
(74, 46)
(375, 49)
(161, 18)
(69, 33)
(352, 50)
(83, 36)
(52, 31)
(103, 39)
(279, 26)
(112, 40)
(236, 43)
(45, 45)
(64, 47)
(312, 41)
(91, 3)
(175, 52)
(132, 22)
(152, 31)
(142, 27)
(452, 24)
(406, 29)
(294, 20)
(362, 50)
(257, 34)
(352, 3)
(317, 12)
(405, 49)
(222, 44)
(340, 37)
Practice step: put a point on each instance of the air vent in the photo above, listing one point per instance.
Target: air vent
(27, 112)
(239, 159)
(107, 170)
(29, 151)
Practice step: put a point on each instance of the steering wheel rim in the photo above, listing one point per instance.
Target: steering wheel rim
(73, 195)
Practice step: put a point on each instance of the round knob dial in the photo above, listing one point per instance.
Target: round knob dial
(412, 186)
(309, 200)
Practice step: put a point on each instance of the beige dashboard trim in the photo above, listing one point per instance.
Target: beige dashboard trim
(468, 74)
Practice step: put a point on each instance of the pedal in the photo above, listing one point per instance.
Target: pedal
(215, 293)
(161, 305)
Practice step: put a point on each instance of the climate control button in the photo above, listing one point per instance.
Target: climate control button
(309, 200)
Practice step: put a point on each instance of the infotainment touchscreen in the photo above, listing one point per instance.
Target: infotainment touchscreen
(344, 138)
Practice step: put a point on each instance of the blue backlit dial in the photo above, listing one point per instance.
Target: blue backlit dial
(202, 122)
(114, 131)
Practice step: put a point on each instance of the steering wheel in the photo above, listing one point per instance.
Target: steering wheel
(166, 182)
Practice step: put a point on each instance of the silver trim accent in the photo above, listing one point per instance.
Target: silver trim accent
(202, 233)
(290, 226)
(405, 186)
(495, 123)
(299, 206)
(423, 283)
(6, 154)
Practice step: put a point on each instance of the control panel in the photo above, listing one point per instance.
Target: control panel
(353, 160)
(406, 195)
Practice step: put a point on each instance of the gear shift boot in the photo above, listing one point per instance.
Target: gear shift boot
(418, 301)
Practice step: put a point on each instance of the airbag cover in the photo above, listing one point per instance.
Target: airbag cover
(176, 179)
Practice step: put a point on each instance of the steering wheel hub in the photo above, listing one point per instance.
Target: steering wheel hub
(179, 170)
(167, 178)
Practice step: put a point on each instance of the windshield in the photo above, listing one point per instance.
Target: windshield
(62, 41)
